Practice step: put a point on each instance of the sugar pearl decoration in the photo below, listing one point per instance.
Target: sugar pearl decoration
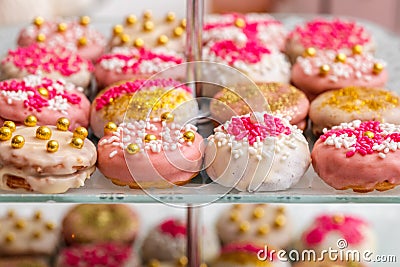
(36, 235)
(80, 132)
(183, 261)
(132, 149)
(148, 26)
(258, 213)
(167, 117)
(20, 224)
(244, 227)
(147, 14)
(338, 218)
(5, 133)
(30, 121)
(183, 23)
(234, 216)
(280, 221)
(377, 68)
(110, 127)
(178, 31)
(154, 263)
(310, 52)
(50, 226)
(138, 43)
(163, 39)
(85, 20)
(131, 20)
(43, 133)
(17, 141)
(357, 49)
(43, 92)
(62, 27)
(10, 124)
(52, 146)
(41, 37)
(240, 23)
(37, 216)
(118, 29)
(340, 58)
(263, 230)
(170, 17)
(324, 70)
(38, 21)
(124, 38)
(76, 142)
(189, 136)
(82, 41)
(369, 134)
(63, 124)
(10, 237)
(150, 137)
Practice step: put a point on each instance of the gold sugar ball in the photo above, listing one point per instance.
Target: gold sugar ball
(341, 58)
(357, 49)
(43, 133)
(324, 70)
(147, 14)
(5, 133)
(10, 124)
(85, 20)
(76, 142)
(338, 218)
(130, 20)
(110, 127)
(133, 149)
(150, 137)
(10, 213)
(263, 230)
(310, 52)
(189, 136)
(244, 227)
(154, 263)
(170, 17)
(62, 27)
(377, 68)
(240, 23)
(163, 39)
(124, 38)
(280, 221)
(43, 92)
(167, 117)
(41, 37)
(37, 216)
(50, 226)
(138, 43)
(118, 29)
(52, 146)
(148, 26)
(20, 224)
(183, 261)
(183, 23)
(38, 21)
(17, 141)
(234, 216)
(10, 237)
(30, 121)
(63, 124)
(82, 41)
(36, 235)
(81, 132)
(258, 213)
(178, 31)
(369, 134)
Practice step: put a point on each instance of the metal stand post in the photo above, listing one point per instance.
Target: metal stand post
(193, 236)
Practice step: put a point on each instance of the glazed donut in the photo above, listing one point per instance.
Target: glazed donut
(76, 35)
(328, 70)
(98, 223)
(56, 63)
(44, 98)
(343, 156)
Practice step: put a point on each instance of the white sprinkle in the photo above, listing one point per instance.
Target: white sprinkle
(113, 153)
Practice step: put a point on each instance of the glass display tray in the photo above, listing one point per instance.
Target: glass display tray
(310, 189)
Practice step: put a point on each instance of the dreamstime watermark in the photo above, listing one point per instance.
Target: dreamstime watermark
(340, 253)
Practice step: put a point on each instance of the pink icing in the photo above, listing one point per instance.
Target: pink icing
(35, 101)
(134, 86)
(335, 34)
(325, 224)
(364, 144)
(107, 255)
(228, 50)
(36, 57)
(174, 228)
(242, 127)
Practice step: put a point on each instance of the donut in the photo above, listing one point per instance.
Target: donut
(124, 63)
(62, 159)
(256, 223)
(282, 99)
(145, 154)
(23, 236)
(337, 231)
(261, 27)
(150, 32)
(56, 63)
(46, 99)
(75, 34)
(354, 103)
(141, 99)
(98, 255)
(336, 34)
(259, 62)
(98, 223)
(361, 156)
(25, 261)
(247, 255)
(165, 244)
(328, 70)
(257, 152)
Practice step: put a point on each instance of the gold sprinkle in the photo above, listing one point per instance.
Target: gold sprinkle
(17, 142)
(234, 216)
(281, 209)
(147, 14)
(10, 237)
(131, 20)
(154, 263)
(10, 124)
(237, 206)
(148, 26)
(41, 37)
(36, 235)
(203, 265)
(50, 226)
(338, 218)
(109, 128)
(240, 23)
(170, 17)
(38, 215)
(77, 142)
(82, 41)
(244, 227)
(118, 29)
(5, 133)
(178, 31)
(150, 137)
(324, 70)
(30, 121)
(377, 68)
(133, 149)
(183, 261)
(81, 132)
(340, 58)
(85, 20)
(63, 124)
(163, 39)
(38, 21)
(280, 221)
(167, 117)
(369, 134)
(189, 136)
(20, 224)
(357, 49)
(183, 23)
(139, 43)
(258, 213)
(263, 230)
(43, 133)
(124, 38)
(62, 27)
(43, 92)
(11, 214)
(310, 52)
(52, 146)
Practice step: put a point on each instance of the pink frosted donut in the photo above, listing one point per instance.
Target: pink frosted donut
(143, 154)
(328, 34)
(328, 70)
(125, 63)
(359, 155)
(55, 63)
(46, 99)
(282, 99)
(244, 27)
(141, 99)
(76, 35)
(253, 59)
(98, 255)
